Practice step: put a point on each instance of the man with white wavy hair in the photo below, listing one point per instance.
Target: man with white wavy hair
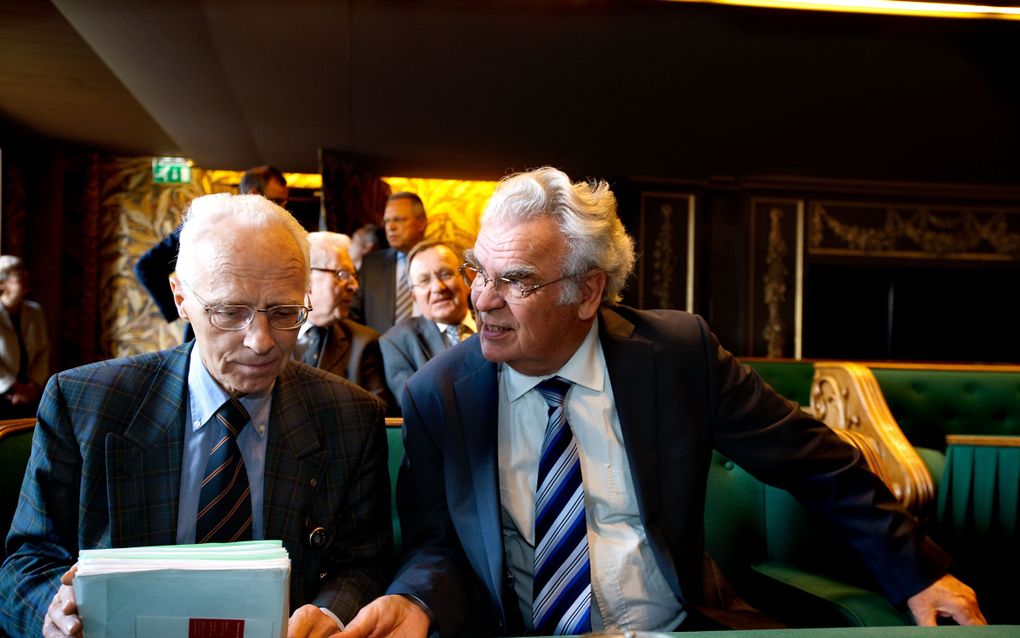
(559, 458)
(129, 452)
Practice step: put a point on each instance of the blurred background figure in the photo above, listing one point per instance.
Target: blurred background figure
(385, 295)
(329, 340)
(24, 348)
(366, 239)
(153, 269)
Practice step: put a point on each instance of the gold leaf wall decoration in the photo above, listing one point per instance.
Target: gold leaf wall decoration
(454, 207)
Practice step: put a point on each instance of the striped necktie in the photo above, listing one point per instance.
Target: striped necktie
(404, 302)
(224, 504)
(562, 585)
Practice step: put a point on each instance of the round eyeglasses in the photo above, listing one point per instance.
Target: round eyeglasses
(230, 316)
(506, 287)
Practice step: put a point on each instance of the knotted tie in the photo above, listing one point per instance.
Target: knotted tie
(224, 504)
(562, 584)
(404, 302)
(310, 345)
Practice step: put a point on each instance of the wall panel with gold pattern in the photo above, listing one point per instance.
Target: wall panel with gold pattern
(454, 207)
(776, 276)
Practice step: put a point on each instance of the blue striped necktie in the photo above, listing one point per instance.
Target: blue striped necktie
(562, 585)
(224, 503)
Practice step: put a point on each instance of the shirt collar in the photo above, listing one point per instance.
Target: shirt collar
(584, 368)
(205, 396)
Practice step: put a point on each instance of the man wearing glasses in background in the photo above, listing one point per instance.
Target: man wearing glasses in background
(557, 462)
(329, 340)
(441, 296)
(126, 451)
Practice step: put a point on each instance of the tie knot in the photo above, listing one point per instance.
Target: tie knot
(554, 390)
(233, 416)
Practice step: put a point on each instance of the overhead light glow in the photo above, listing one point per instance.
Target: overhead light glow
(882, 7)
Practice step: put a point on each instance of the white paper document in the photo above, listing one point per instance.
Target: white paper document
(212, 590)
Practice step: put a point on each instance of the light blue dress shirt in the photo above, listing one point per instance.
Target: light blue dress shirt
(205, 396)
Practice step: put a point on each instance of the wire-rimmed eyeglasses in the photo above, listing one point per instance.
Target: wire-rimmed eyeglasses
(232, 316)
(506, 287)
(342, 275)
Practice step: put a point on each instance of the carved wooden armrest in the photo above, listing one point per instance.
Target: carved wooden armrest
(847, 398)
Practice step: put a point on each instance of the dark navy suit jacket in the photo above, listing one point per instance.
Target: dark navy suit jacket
(105, 471)
(678, 395)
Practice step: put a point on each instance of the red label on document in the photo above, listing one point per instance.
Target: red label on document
(215, 628)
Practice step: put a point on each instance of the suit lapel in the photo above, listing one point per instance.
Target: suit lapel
(432, 340)
(631, 363)
(295, 459)
(143, 463)
(336, 350)
(476, 501)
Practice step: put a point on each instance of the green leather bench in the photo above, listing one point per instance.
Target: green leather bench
(15, 447)
(782, 561)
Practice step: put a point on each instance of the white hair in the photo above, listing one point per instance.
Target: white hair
(585, 213)
(10, 264)
(249, 214)
(322, 242)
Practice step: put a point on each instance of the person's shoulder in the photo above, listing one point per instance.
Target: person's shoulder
(127, 368)
(404, 327)
(378, 257)
(31, 307)
(359, 330)
(320, 388)
(451, 365)
(654, 324)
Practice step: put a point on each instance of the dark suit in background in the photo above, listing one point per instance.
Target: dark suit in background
(153, 270)
(678, 395)
(105, 471)
(374, 304)
(352, 351)
(406, 347)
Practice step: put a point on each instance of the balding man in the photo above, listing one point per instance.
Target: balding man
(153, 268)
(126, 451)
(385, 294)
(329, 340)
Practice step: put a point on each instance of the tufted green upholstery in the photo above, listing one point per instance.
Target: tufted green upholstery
(928, 404)
(792, 379)
(782, 561)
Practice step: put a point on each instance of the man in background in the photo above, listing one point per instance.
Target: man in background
(556, 463)
(329, 340)
(153, 269)
(441, 296)
(128, 452)
(24, 346)
(369, 238)
(384, 297)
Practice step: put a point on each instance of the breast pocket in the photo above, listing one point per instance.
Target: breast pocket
(615, 498)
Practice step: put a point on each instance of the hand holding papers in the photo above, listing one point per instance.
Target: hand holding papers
(212, 590)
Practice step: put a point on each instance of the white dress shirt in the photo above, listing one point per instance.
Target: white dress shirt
(629, 590)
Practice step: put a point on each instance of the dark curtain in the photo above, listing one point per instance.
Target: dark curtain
(51, 212)
(352, 193)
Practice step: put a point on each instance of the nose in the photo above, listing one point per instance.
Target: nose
(352, 285)
(485, 298)
(258, 336)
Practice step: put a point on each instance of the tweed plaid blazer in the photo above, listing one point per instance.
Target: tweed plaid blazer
(105, 471)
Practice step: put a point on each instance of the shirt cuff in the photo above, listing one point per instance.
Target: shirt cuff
(339, 623)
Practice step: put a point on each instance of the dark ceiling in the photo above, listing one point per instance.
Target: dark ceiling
(474, 89)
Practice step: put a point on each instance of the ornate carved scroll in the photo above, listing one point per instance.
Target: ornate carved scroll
(847, 398)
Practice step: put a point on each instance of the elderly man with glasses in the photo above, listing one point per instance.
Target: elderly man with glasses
(129, 452)
(329, 340)
(555, 469)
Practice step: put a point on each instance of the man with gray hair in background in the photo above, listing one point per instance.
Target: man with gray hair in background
(127, 452)
(329, 340)
(558, 460)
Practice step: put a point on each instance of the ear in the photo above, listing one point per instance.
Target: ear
(590, 290)
(178, 291)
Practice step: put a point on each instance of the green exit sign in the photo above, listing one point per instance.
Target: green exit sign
(171, 170)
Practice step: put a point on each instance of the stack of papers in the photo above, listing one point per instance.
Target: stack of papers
(212, 590)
